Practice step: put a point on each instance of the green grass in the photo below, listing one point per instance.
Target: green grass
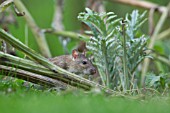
(45, 102)
(15, 98)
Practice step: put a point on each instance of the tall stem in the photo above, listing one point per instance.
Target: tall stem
(125, 72)
(106, 63)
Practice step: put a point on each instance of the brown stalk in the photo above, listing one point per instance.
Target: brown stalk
(143, 4)
(31, 77)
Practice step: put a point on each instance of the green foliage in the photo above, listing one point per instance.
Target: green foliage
(159, 82)
(110, 51)
(9, 84)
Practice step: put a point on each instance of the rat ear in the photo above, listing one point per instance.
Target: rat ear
(75, 53)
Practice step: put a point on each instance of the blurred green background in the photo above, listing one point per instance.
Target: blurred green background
(43, 10)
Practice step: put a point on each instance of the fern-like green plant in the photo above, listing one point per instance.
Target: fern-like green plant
(102, 44)
(117, 48)
(135, 46)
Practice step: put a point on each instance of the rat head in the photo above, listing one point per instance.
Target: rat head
(81, 65)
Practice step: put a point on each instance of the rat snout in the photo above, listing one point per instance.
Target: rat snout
(92, 71)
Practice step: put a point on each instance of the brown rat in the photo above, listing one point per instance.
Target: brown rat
(76, 63)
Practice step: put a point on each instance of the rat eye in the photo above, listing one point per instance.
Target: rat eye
(84, 62)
